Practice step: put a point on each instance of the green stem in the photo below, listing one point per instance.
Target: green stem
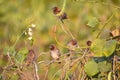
(104, 25)
(104, 3)
(63, 8)
(111, 5)
(19, 37)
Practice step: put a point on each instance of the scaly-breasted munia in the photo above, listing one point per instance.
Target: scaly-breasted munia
(54, 51)
(30, 57)
(62, 16)
(72, 45)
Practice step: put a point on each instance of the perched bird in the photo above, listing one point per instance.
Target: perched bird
(30, 57)
(72, 45)
(56, 10)
(115, 32)
(54, 51)
(62, 16)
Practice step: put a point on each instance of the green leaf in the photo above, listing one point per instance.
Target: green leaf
(93, 22)
(101, 47)
(91, 68)
(11, 51)
(97, 47)
(20, 56)
(109, 48)
(104, 66)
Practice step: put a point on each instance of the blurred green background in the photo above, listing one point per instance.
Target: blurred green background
(16, 15)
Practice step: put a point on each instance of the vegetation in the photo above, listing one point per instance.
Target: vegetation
(84, 33)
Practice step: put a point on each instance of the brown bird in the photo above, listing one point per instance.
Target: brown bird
(56, 10)
(72, 45)
(30, 57)
(115, 32)
(55, 52)
(62, 16)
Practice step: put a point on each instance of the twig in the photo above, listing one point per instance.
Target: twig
(80, 72)
(114, 64)
(10, 62)
(36, 71)
(64, 29)
(61, 12)
(46, 73)
(63, 71)
(84, 53)
(55, 37)
(81, 48)
(10, 59)
(21, 74)
(84, 75)
(57, 40)
(68, 32)
(41, 62)
(53, 61)
(42, 54)
(115, 37)
(55, 74)
(60, 70)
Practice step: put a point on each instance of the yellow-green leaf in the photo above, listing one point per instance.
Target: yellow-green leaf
(91, 68)
(101, 47)
(97, 47)
(93, 22)
(109, 48)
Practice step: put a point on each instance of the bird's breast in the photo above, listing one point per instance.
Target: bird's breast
(55, 54)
